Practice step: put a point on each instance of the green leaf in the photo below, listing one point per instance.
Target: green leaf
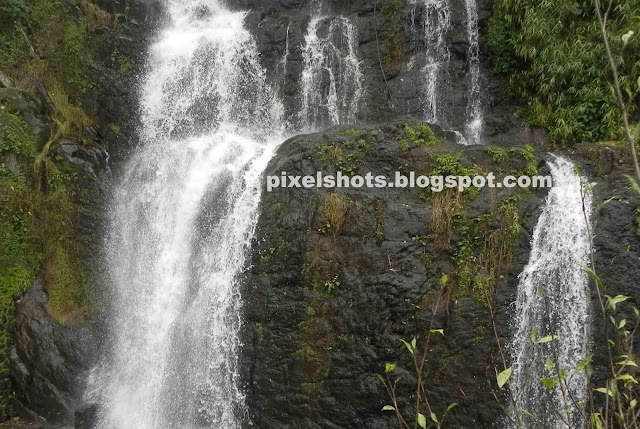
(604, 390)
(584, 363)
(434, 417)
(526, 413)
(437, 331)
(388, 408)
(549, 364)
(605, 202)
(534, 334)
(413, 343)
(389, 368)
(504, 377)
(622, 323)
(549, 383)
(594, 276)
(452, 406)
(633, 403)
(627, 36)
(577, 169)
(444, 279)
(627, 362)
(612, 302)
(632, 181)
(596, 420)
(627, 378)
(409, 346)
(422, 420)
(546, 339)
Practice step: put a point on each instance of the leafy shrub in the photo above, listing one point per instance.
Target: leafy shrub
(562, 70)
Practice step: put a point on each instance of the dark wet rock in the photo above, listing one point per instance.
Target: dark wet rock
(391, 88)
(86, 417)
(312, 357)
(326, 311)
(5, 82)
(48, 358)
(91, 160)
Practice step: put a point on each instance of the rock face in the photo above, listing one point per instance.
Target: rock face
(326, 305)
(48, 358)
(391, 36)
(340, 276)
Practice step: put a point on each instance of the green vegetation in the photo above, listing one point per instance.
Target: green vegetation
(484, 251)
(553, 52)
(334, 211)
(345, 156)
(352, 132)
(44, 42)
(393, 43)
(422, 136)
(497, 154)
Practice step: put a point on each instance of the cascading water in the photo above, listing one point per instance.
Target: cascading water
(473, 127)
(282, 65)
(182, 219)
(434, 62)
(332, 82)
(553, 299)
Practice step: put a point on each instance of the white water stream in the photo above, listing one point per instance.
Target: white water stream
(332, 81)
(181, 221)
(553, 299)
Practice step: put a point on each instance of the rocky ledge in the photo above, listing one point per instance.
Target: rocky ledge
(340, 276)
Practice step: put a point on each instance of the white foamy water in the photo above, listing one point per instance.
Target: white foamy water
(474, 125)
(332, 81)
(434, 61)
(181, 222)
(553, 298)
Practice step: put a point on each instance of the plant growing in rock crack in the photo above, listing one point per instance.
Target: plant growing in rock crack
(334, 211)
(422, 415)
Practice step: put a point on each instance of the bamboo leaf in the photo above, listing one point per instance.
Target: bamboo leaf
(409, 346)
(548, 382)
(604, 390)
(504, 377)
(422, 421)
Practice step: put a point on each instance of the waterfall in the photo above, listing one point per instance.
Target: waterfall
(181, 221)
(553, 299)
(434, 62)
(332, 82)
(282, 65)
(473, 127)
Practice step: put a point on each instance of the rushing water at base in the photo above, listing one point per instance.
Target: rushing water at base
(553, 299)
(332, 82)
(181, 222)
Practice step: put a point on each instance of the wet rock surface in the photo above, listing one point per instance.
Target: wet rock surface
(48, 359)
(326, 308)
(390, 38)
